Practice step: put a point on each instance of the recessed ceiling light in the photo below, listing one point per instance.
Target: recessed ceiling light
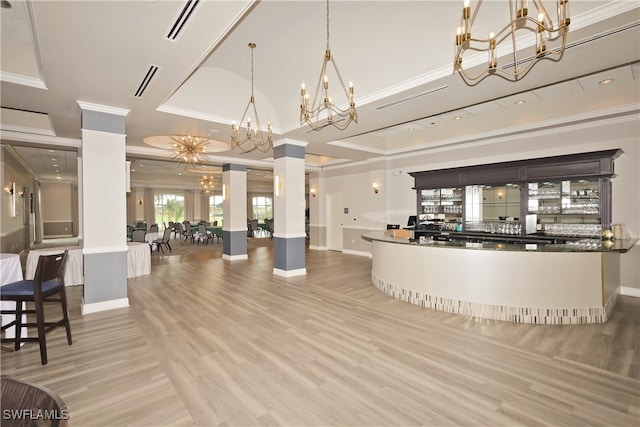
(605, 81)
(520, 102)
(55, 166)
(411, 129)
(457, 118)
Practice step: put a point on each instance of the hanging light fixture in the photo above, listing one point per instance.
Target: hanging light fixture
(207, 183)
(252, 136)
(189, 149)
(322, 111)
(550, 39)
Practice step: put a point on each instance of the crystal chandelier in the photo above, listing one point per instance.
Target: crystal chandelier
(322, 112)
(550, 39)
(189, 149)
(207, 183)
(253, 136)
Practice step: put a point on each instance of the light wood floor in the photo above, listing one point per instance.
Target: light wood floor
(208, 342)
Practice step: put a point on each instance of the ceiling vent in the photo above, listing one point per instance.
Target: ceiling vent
(179, 23)
(581, 42)
(411, 97)
(146, 80)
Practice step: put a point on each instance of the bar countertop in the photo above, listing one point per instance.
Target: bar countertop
(584, 245)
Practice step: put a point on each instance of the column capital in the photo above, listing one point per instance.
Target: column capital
(288, 141)
(103, 108)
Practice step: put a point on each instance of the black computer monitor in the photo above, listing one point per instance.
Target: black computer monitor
(413, 220)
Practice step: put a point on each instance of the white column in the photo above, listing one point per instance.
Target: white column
(103, 212)
(289, 237)
(234, 205)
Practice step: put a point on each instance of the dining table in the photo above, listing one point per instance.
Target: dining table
(73, 271)
(138, 262)
(10, 271)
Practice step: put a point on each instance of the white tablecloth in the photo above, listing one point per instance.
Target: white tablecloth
(138, 262)
(138, 259)
(73, 273)
(10, 271)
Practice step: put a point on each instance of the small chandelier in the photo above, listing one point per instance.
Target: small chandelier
(322, 112)
(254, 136)
(207, 183)
(189, 149)
(543, 29)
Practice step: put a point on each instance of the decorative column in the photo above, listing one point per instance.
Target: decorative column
(102, 188)
(289, 237)
(234, 217)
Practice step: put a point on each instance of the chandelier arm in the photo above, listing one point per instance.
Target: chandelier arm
(344, 88)
(543, 9)
(323, 72)
(475, 13)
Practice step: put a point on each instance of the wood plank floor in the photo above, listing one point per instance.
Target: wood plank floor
(208, 342)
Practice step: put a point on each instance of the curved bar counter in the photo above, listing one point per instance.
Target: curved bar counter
(527, 283)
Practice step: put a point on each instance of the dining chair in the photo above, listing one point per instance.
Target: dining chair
(164, 240)
(187, 232)
(138, 236)
(154, 228)
(33, 399)
(47, 286)
(204, 235)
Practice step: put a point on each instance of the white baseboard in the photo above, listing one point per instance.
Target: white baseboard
(235, 257)
(104, 305)
(317, 248)
(360, 253)
(630, 292)
(290, 273)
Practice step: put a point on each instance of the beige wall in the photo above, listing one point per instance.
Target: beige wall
(12, 234)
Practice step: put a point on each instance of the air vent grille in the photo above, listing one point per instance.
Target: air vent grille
(145, 82)
(182, 19)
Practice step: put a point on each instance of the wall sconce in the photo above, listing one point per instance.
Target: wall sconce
(11, 191)
(277, 185)
(313, 192)
(376, 188)
(140, 201)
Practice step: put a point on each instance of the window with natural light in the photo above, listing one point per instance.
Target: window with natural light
(168, 207)
(215, 210)
(262, 208)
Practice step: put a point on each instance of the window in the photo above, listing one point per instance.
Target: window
(262, 208)
(168, 207)
(215, 209)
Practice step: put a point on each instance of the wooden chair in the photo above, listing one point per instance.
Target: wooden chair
(31, 400)
(47, 286)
